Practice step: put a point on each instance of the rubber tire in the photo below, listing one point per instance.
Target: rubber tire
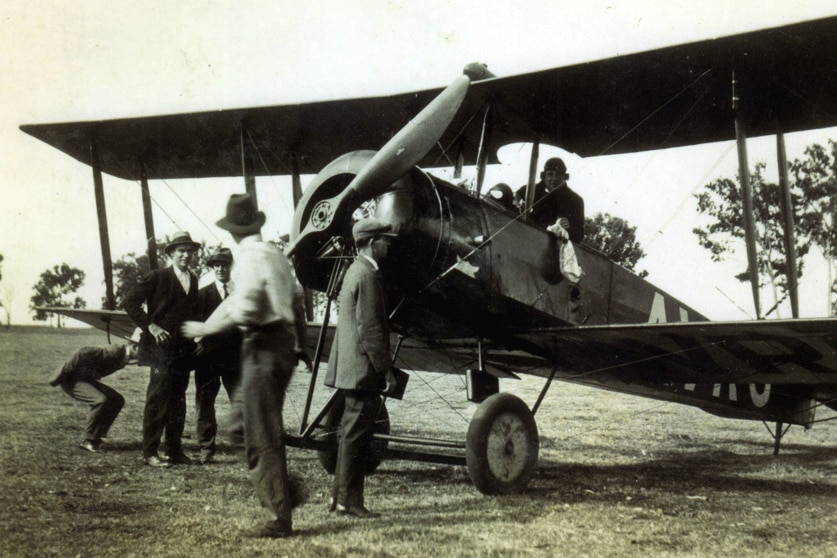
(501, 448)
(328, 457)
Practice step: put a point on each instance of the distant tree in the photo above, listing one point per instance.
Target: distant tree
(56, 288)
(130, 268)
(127, 271)
(615, 238)
(815, 178)
(813, 190)
(8, 316)
(8, 299)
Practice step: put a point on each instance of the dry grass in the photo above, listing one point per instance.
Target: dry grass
(619, 476)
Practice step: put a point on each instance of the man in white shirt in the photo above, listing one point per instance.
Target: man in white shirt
(266, 306)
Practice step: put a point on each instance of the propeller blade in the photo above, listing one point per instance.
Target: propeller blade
(398, 156)
(411, 143)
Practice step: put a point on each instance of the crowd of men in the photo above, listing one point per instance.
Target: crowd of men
(246, 331)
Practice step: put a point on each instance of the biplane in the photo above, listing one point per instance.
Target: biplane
(476, 289)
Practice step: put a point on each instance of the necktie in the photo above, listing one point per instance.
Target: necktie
(226, 292)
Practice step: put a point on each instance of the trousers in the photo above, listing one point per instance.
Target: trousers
(356, 430)
(268, 359)
(105, 404)
(208, 379)
(165, 407)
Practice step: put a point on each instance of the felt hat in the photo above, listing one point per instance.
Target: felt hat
(242, 217)
(221, 255)
(179, 238)
(369, 227)
(555, 164)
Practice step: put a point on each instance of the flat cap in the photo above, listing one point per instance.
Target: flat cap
(366, 228)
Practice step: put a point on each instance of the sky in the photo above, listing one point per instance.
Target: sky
(96, 60)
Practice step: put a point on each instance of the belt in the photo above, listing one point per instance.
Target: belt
(269, 327)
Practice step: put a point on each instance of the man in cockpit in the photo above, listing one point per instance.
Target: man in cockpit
(554, 203)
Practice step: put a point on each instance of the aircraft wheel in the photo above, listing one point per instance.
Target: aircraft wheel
(328, 457)
(502, 445)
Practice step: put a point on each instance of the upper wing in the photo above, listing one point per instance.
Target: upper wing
(676, 96)
(663, 98)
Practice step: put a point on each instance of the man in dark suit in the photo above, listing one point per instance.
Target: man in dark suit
(171, 297)
(360, 364)
(219, 355)
(555, 206)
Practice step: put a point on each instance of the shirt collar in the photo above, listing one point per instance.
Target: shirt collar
(219, 286)
(371, 261)
(181, 274)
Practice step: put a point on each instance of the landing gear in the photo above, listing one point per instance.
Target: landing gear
(502, 445)
(777, 435)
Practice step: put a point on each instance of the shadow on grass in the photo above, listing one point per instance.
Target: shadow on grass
(690, 473)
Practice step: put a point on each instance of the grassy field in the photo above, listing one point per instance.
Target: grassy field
(618, 476)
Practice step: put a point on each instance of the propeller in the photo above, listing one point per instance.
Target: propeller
(399, 155)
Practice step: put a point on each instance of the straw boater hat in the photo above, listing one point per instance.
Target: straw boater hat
(221, 255)
(242, 216)
(179, 238)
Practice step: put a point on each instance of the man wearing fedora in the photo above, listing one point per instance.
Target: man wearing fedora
(171, 297)
(266, 305)
(360, 364)
(219, 355)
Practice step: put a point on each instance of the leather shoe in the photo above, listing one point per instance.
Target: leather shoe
(356, 511)
(94, 447)
(277, 529)
(155, 461)
(207, 456)
(179, 458)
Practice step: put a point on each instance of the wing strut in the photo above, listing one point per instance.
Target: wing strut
(485, 146)
(530, 185)
(787, 209)
(101, 212)
(149, 219)
(247, 166)
(747, 195)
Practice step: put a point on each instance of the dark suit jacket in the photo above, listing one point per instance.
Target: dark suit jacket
(91, 364)
(550, 206)
(222, 349)
(360, 355)
(168, 307)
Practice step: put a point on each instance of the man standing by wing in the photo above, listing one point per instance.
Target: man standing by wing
(171, 297)
(360, 364)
